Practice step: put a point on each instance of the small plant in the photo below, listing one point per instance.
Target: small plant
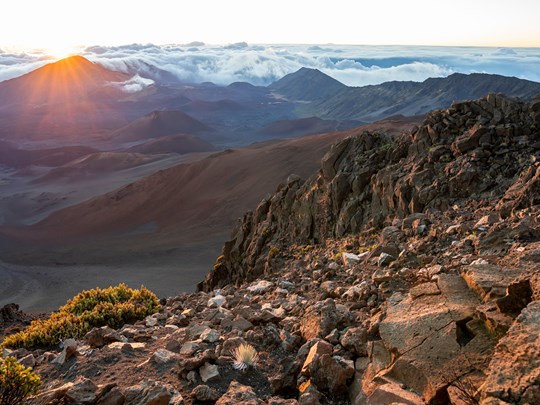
(218, 262)
(113, 307)
(16, 382)
(273, 252)
(245, 356)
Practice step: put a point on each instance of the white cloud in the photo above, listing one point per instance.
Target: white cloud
(263, 64)
(135, 84)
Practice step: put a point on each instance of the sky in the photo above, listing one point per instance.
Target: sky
(59, 25)
(356, 42)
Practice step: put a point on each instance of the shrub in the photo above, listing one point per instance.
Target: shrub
(16, 381)
(113, 307)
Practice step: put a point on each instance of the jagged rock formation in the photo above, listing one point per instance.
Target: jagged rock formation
(485, 150)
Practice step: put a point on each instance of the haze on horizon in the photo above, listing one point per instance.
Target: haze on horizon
(60, 25)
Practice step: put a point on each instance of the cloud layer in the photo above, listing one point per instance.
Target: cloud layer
(263, 64)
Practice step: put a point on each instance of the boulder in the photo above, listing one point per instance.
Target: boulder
(318, 349)
(83, 391)
(355, 340)
(432, 338)
(331, 374)
(514, 371)
(319, 320)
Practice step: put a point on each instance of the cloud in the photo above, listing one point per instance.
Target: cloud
(135, 84)
(197, 62)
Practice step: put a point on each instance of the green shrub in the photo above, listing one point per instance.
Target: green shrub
(113, 307)
(16, 381)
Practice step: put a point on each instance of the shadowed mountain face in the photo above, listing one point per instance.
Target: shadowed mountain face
(160, 123)
(411, 98)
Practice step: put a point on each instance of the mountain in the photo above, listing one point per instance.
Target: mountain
(180, 144)
(17, 158)
(160, 123)
(371, 103)
(306, 85)
(299, 127)
(71, 80)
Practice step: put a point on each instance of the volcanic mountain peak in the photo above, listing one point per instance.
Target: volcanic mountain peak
(161, 123)
(307, 84)
(74, 79)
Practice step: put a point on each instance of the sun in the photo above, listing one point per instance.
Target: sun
(60, 51)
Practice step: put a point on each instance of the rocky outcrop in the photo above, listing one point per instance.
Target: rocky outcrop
(485, 150)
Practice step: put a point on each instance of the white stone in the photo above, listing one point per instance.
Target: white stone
(210, 335)
(350, 258)
(217, 301)
(479, 262)
(261, 287)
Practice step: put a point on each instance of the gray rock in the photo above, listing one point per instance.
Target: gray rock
(209, 372)
(83, 391)
(204, 393)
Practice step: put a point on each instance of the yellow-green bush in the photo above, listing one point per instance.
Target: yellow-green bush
(113, 306)
(16, 382)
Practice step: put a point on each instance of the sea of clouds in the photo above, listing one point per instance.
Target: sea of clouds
(262, 64)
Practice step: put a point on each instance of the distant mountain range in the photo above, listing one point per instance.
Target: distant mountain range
(75, 101)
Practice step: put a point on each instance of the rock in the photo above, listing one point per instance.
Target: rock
(189, 348)
(151, 321)
(309, 395)
(424, 289)
(209, 335)
(83, 391)
(432, 337)
(240, 395)
(150, 393)
(318, 349)
(209, 372)
(163, 356)
(393, 394)
(217, 301)
(331, 373)
(241, 324)
(126, 347)
(514, 371)
(350, 258)
(385, 259)
(260, 287)
(281, 401)
(112, 397)
(204, 393)
(179, 320)
(355, 340)
(381, 275)
(28, 361)
(68, 352)
(319, 320)
(99, 337)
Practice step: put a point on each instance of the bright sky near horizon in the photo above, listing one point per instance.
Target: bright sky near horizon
(61, 24)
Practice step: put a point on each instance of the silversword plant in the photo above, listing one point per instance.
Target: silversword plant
(245, 356)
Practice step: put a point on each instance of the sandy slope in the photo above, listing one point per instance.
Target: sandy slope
(164, 231)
